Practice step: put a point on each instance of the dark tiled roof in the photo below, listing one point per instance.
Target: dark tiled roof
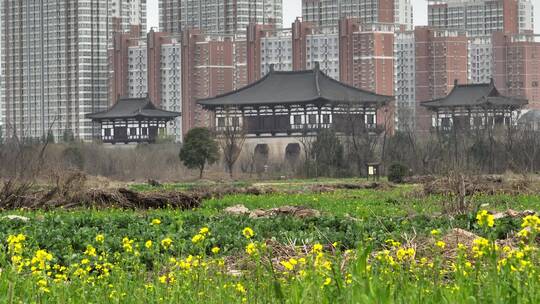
(133, 108)
(475, 95)
(296, 87)
(530, 116)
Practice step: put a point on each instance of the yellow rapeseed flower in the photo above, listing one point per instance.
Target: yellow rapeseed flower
(163, 279)
(440, 244)
(251, 248)
(90, 251)
(405, 254)
(215, 250)
(15, 243)
(100, 238)
(204, 231)
(393, 243)
(41, 258)
(42, 284)
(485, 219)
(240, 288)
(532, 223)
(248, 232)
(197, 238)
(480, 247)
(127, 244)
(155, 222)
(435, 232)
(317, 248)
(166, 243)
(288, 265)
(327, 281)
(148, 244)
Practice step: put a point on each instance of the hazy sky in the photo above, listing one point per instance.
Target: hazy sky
(293, 8)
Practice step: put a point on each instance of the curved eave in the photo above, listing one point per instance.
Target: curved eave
(209, 104)
(484, 105)
(169, 116)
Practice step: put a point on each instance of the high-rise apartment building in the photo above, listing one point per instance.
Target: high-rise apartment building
(367, 55)
(327, 13)
(276, 51)
(440, 62)
(405, 79)
(516, 66)
(211, 65)
(482, 17)
(480, 60)
(55, 62)
(366, 60)
(218, 17)
(299, 48)
(150, 66)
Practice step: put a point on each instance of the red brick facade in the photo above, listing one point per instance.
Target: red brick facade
(516, 66)
(366, 59)
(441, 59)
(118, 58)
(210, 66)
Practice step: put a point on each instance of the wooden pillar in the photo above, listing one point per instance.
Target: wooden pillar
(139, 130)
(364, 114)
(290, 117)
(437, 121)
(275, 120)
(243, 122)
(319, 117)
(259, 120)
(306, 118)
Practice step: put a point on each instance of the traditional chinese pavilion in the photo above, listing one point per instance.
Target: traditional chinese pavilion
(473, 106)
(132, 120)
(292, 103)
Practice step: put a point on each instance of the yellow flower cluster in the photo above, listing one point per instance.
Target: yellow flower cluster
(481, 247)
(248, 233)
(201, 236)
(166, 243)
(485, 219)
(16, 244)
(127, 244)
(405, 254)
(100, 238)
(531, 227)
(289, 264)
(326, 265)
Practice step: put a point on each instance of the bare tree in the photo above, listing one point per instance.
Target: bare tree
(27, 164)
(306, 140)
(231, 139)
(362, 137)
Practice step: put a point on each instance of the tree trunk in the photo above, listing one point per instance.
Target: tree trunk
(201, 171)
(230, 167)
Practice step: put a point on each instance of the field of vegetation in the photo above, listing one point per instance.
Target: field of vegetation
(382, 243)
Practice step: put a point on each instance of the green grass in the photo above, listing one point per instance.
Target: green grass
(361, 220)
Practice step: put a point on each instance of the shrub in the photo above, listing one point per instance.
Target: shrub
(199, 149)
(396, 172)
(73, 157)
